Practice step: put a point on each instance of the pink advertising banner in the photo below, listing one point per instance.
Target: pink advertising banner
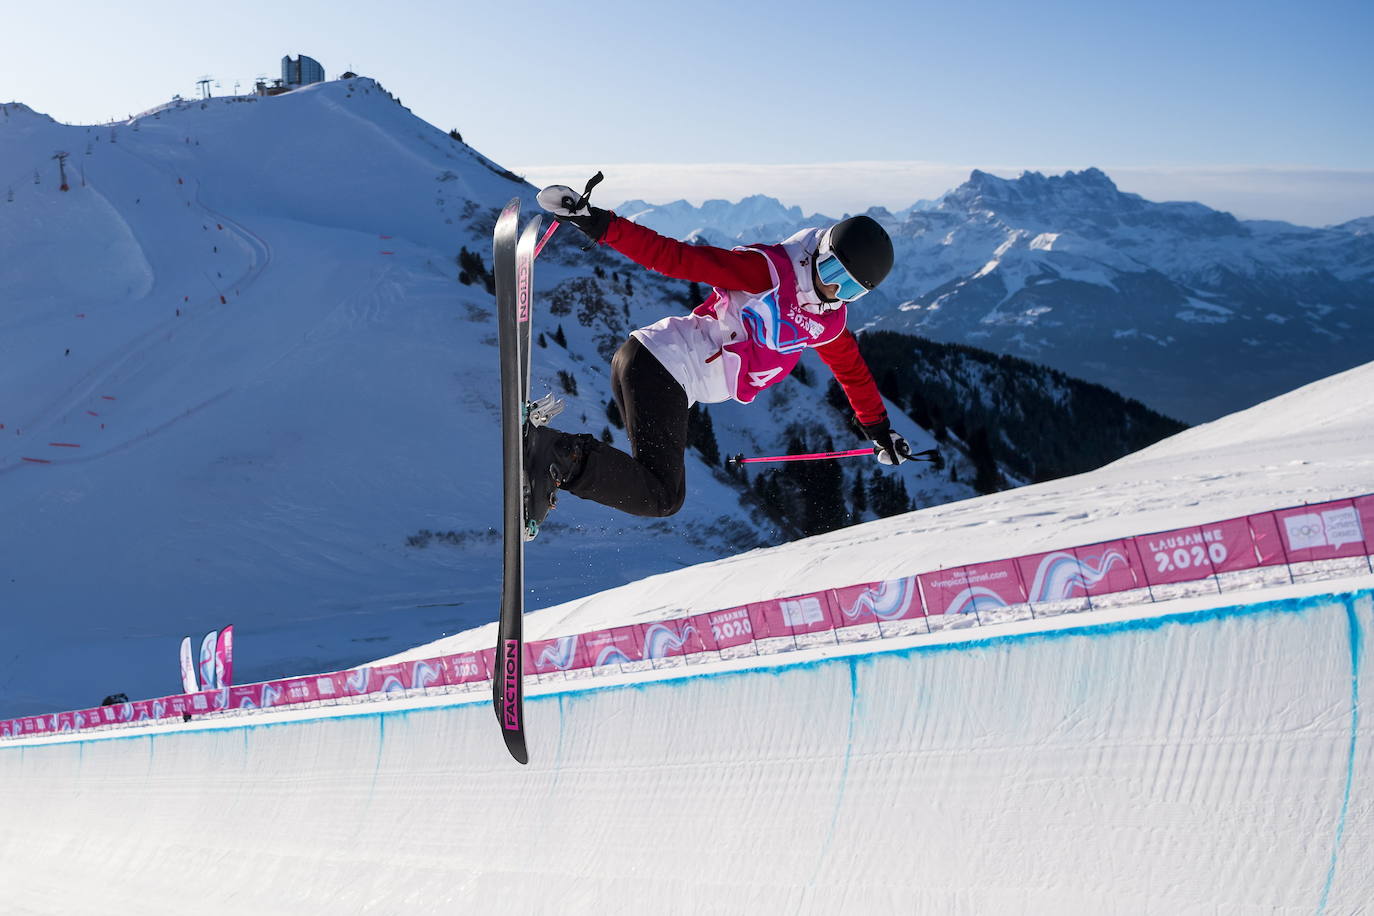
(427, 672)
(1189, 554)
(616, 646)
(389, 678)
(1112, 566)
(895, 599)
(725, 629)
(547, 656)
(465, 668)
(357, 682)
(1365, 506)
(966, 589)
(1269, 547)
(1326, 531)
(301, 690)
(791, 616)
(331, 686)
(673, 638)
(247, 696)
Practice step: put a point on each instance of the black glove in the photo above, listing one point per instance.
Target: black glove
(567, 206)
(889, 447)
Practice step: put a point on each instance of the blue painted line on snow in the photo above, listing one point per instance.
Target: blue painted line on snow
(1282, 607)
(1356, 654)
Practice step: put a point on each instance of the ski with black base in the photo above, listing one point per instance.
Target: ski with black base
(508, 676)
(513, 266)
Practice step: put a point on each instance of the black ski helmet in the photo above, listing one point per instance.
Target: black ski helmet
(862, 246)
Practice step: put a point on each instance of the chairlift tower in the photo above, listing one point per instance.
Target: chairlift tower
(204, 84)
(61, 158)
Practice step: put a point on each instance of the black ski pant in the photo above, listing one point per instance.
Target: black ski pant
(652, 482)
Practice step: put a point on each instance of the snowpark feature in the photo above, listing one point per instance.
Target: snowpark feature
(1203, 760)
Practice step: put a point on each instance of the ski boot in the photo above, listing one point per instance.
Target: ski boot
(553, 459)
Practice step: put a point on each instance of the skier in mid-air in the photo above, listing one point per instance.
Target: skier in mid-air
(768, 304)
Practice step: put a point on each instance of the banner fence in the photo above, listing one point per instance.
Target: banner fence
(1282, 546)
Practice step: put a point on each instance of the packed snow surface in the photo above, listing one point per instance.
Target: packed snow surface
(1188, 757)
(1204, 761)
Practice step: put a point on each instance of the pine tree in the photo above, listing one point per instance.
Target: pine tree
(888, 495)
(701, 435)
(858, 498)
(986, 478)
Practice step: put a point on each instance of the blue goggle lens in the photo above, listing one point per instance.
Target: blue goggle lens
(830, 270)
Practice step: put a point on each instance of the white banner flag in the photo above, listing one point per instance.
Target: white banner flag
(207, 661)
(188, 668)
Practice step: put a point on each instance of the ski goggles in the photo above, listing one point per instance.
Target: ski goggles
(831, 271)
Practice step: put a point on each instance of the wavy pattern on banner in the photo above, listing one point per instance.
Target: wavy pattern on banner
(662, 638)
(890, 600)
(1060, 573)
(357, 679)
(393, 684)
(611, 655)
(966, 602)
(559, 655)
(423, 674)
(271, 693)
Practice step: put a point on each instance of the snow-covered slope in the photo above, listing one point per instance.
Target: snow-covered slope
(1182, 307)
(239, 382)
(1197, 756)
(1312, 445)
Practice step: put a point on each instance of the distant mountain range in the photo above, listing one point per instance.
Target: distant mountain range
(1185, 308)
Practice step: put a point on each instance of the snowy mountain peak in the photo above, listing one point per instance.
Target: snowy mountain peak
(1088, 189)
(755, 218)
(1362, 226)
(18, 114)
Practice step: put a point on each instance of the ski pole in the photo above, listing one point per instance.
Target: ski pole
(930, 454)
(544, 239)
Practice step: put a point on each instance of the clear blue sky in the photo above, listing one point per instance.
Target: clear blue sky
(1161, 87)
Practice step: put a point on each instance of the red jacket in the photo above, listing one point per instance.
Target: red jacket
(748, 272)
